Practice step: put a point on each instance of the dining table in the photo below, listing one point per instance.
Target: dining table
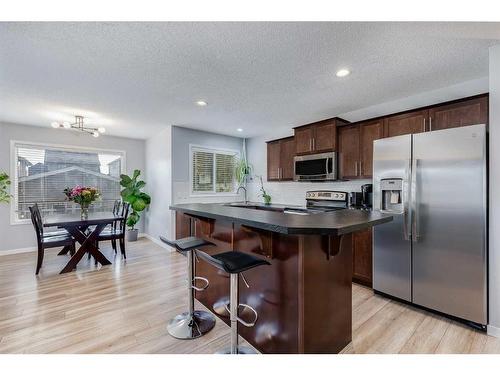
(85, 231)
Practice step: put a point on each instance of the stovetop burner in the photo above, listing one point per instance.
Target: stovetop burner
(326, 200)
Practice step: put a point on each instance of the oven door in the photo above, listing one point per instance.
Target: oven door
(318, 167)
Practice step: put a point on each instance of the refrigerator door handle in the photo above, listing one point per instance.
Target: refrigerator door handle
(414, 201)
(406, 203)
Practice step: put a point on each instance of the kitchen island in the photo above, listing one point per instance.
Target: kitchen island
(304, 298)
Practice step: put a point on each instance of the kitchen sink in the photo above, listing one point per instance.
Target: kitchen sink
(254, 206)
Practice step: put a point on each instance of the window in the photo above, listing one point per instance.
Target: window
(42, 172)
(212, 170)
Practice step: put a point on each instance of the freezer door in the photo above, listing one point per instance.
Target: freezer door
(391, 241)
(449, 222)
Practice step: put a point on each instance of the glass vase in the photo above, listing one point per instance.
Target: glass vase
(84, 212)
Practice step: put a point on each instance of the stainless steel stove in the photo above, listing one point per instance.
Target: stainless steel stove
(318, 201)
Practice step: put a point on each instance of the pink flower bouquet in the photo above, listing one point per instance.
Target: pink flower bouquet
(83, 195)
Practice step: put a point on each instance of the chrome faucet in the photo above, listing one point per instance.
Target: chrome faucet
(245, 190)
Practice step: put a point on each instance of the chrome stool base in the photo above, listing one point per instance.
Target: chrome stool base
(186, 326)
(241, 350)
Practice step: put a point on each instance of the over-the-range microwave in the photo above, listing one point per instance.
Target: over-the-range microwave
(317, 167)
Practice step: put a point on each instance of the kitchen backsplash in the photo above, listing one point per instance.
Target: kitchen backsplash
(294, 192)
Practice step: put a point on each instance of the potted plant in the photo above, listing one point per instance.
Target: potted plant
(138, 200)
(4, 188)
(84, 196)
(242, 169)
(263, 193)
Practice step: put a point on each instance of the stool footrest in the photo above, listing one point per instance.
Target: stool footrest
(202, 288)
(244, 322)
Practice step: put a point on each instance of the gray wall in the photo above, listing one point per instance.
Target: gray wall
(494, 202)
(181, 139)
(22, 235)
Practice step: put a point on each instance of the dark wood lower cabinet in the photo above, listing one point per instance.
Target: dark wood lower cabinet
(304, 298)
(362, 257)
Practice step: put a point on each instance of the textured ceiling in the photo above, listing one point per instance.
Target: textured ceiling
(135, 78)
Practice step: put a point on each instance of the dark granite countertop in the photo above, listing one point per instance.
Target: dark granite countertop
(273, 219)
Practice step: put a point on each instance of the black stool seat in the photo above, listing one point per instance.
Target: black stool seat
(187, 243)
(233, 261)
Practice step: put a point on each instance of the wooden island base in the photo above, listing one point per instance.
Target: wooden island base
(303, 299)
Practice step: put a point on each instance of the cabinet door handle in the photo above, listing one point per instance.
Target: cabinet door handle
(310, 144)
(360, 168)
(430, 123)
(424, 125)
(314, 143)
(356, 168)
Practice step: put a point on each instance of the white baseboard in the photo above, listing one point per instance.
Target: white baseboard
(18, 251)
(493, 331)
(32, 249)
(156, 241)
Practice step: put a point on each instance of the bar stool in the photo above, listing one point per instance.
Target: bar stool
(193, 323)
(234, 263)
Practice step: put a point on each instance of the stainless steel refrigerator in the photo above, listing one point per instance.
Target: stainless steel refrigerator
(434, 252)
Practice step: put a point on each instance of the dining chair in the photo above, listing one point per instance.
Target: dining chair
(48, 240)
(117, 230)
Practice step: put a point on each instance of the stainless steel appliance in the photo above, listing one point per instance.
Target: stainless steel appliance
(321, 201)
(434, 252)
(367, 195)
(317, 167)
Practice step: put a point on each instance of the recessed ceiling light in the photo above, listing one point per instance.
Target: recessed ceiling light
(343, 73)
(201, 103)
(239, 129)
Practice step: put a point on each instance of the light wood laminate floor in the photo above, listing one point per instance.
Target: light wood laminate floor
(124, 308)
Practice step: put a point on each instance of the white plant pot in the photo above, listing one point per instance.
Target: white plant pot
(132, 235)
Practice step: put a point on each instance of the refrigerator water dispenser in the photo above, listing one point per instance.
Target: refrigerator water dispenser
(392, 195)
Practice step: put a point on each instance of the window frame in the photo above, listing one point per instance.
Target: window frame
(14, 220)
(213, 150)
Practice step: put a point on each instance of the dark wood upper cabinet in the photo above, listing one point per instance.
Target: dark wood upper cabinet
(280, 155)
(317, 137)
(356, 148)
(406, 123)
(354, 142)
(325, 137)
(286, 158)
(304, 140)
(462, 113)
(273, 160)
(349, 151)
(369, 132)
(362, 257)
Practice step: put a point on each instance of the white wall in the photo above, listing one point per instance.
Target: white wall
(159, 219)
(494, 206)
(22, 236)
(294, 192)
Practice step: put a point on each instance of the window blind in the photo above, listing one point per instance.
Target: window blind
(43, 172)
(213, 171)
